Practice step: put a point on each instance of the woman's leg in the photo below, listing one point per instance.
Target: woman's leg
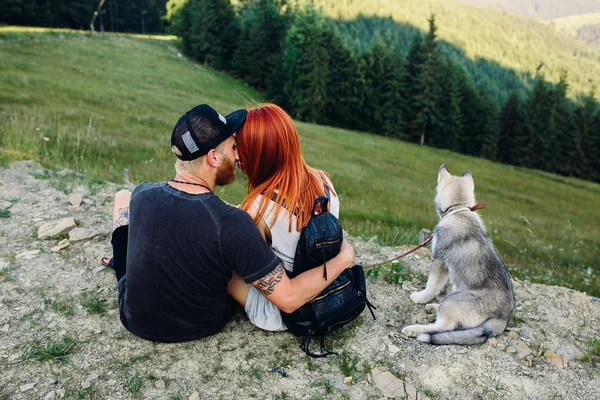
(120, 232)
(261, 312)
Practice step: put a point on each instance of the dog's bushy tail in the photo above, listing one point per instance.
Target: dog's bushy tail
(476, 335)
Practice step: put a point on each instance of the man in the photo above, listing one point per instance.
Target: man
(181, 255)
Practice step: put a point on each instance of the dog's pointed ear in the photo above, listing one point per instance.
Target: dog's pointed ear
(443, 173)
(468, 173)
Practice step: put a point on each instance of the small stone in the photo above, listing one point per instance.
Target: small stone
(50, 396)
(86, 385)
(79, 234)
(54, 228)
(522, 350)
(52, 324)
(92, 377)
(114, 382)
(24, 388)
(411, 391)
(493, 341)
(99, 269)
(393, 349)
(27, 254)
(556, 359)
(511, 349)
(160, 384)
(388, 384)
(194, 396)
(75, 199)
(89, 202)
(63, 244)
(348, 379)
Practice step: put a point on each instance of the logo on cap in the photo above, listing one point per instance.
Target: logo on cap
(222, 118)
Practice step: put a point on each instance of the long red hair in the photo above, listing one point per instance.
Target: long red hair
(269, 154)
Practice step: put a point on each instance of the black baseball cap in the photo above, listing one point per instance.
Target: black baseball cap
(188, 143)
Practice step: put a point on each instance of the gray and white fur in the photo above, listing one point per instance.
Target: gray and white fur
(479, 304)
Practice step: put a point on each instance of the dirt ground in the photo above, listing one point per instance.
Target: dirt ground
(64, 301)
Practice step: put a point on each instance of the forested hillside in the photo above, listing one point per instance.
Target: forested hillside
(541, 9)
(361, 74)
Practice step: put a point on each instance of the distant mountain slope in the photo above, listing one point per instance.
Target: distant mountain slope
(486, 36)
(584, 27)
(541, 9)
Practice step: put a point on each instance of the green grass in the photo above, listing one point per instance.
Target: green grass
(65, 307)
(592, 352)
(56, 350)
(134, 382)
(4, 213)
(94, 306)
(123, 95)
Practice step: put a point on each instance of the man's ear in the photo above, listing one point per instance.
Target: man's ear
(443, 173)
(212, 159)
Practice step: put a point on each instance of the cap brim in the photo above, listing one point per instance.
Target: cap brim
(235, 120)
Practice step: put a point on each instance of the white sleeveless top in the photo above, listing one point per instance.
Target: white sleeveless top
(283, 241)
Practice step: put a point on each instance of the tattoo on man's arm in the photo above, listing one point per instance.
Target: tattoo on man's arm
(266, 284)
(122, 218)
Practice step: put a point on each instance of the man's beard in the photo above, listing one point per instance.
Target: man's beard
(225, 173)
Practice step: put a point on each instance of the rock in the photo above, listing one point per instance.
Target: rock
(86, 385)
(89, 202)
(411, 391)
(50, 396)
(511, 350)
(393, 349)
(27, 254)
(160, 384)
(522, 350)
(92, 377)
(79, 234)
(63, 244)
(194, 396)
(348, 380)
(5, 328)
(54, 228)
(52, 324)
(75, 199)
(26, 387)
(388, 384)
(114, 382)
(493, 341)
(556, 359)
(99, 269)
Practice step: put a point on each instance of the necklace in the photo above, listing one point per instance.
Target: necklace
(191, 183)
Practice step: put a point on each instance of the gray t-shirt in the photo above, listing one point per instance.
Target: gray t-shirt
(181, 250)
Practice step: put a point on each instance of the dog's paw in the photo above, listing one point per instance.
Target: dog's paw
(424, 337)
(421, 297)
(410, 331)
(432, 307)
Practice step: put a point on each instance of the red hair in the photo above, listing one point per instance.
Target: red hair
(269, 154)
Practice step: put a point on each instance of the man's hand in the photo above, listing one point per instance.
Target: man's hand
(290, 294)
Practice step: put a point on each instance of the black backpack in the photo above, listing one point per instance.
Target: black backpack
(339, 303)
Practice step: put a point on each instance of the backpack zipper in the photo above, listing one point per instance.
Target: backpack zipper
(318, 245)
(333, 291)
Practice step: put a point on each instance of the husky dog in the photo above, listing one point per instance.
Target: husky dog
(482, 299)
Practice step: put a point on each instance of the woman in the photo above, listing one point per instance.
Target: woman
(282, 190)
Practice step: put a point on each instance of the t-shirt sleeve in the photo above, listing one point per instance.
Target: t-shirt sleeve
(244, 248)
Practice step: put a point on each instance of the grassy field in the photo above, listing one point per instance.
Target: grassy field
(100, 105)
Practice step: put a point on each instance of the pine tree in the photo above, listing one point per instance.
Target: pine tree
(345, 84)
(424, 92)
(262, 33)
(490, 133)
(566, 143)
(414, 65)
(471, 110)
(538, 132)
(511, 130)
(587, 117)
(209, 30)
(448, 106)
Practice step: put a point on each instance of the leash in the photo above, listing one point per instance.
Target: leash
(426, 241)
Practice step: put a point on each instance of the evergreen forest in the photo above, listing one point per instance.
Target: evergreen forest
(359, 76)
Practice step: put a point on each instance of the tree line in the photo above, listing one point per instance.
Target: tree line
(305, 64)
(115, 15)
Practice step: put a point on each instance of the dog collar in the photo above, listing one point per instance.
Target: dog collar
(476, 207)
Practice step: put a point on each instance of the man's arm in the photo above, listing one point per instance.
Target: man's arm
(290, 294)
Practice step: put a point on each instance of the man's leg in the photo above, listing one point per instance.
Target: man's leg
(261, 312)
(120, 232)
